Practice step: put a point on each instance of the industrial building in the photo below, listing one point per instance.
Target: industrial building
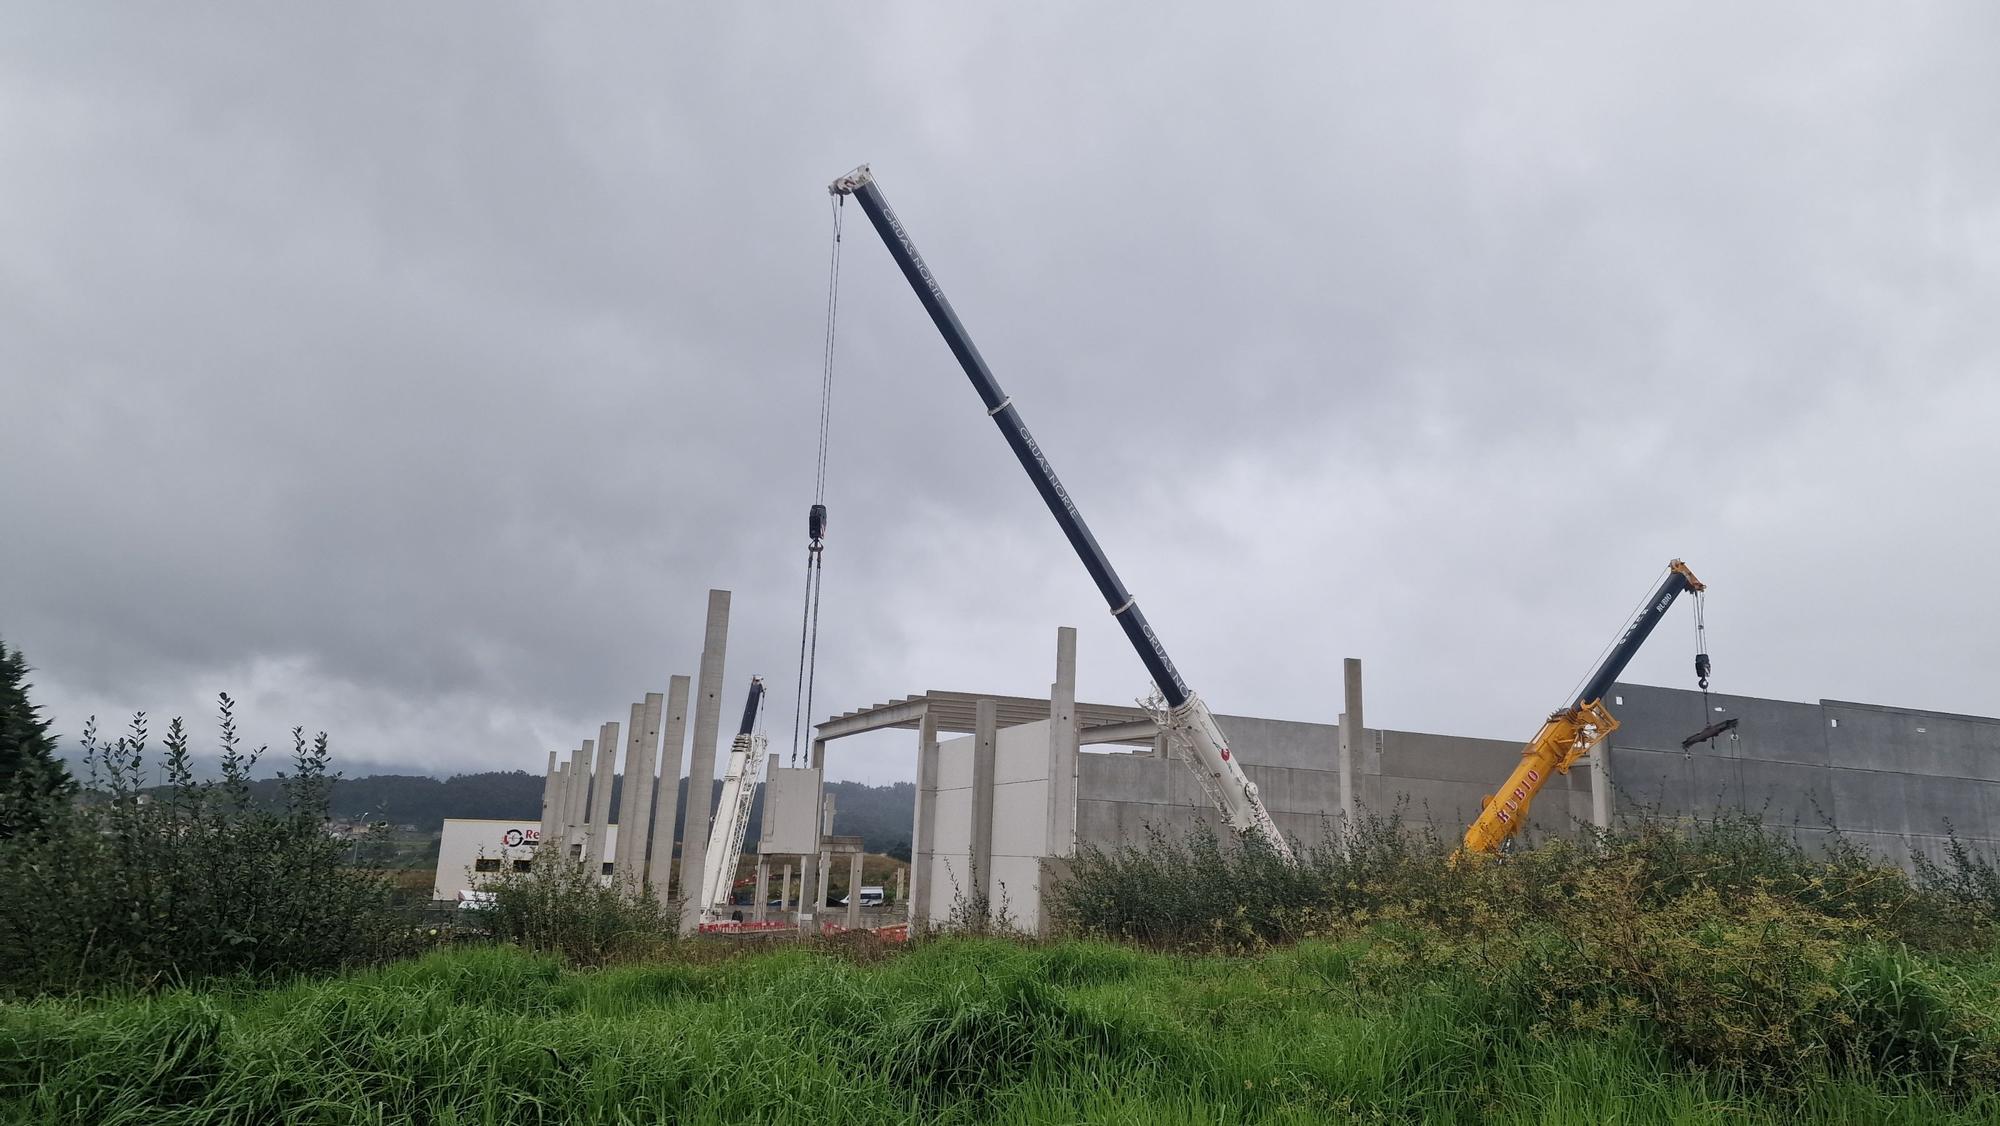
(473, 848)
(1025, 782)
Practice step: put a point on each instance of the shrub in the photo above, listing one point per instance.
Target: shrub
(191, 881)
(564, 908)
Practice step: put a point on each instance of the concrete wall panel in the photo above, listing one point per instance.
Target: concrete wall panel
(1889, 739)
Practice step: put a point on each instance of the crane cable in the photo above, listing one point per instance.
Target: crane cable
(816, 516)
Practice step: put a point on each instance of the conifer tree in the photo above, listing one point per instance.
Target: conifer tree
(31, 777)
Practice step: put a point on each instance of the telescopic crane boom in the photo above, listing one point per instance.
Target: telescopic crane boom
(732, 812)
(1189, 724)
(1573, 732)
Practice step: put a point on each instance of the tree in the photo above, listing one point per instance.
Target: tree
(31, 777)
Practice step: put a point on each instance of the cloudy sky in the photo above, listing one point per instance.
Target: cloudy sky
(411, 371)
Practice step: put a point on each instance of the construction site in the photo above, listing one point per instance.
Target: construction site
(1010, 788)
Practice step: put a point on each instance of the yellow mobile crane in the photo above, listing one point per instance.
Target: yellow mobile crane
(1573, 732)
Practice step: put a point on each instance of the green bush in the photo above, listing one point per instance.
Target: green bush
(563, 908)
(189, 881)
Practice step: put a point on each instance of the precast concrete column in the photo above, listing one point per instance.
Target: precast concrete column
(667, 795)
(1351, 727)
(811, 869)
(635, 809)
(923, 834)
(600, 798)
(853, 890)
(550, 795)
(813, 865)
(701, 760)
(985, 747)
(763, 889)
(900, 873)
(1600, 787)
(552, 840)
(1060, 835)
(635, 718)
(785, 890)
(579, 798)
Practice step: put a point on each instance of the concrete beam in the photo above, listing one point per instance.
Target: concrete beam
(1136, 732)
(600, 797)
(666, 796)
(1060, 832)
(894, 716)
(985, 746)
(701, 759)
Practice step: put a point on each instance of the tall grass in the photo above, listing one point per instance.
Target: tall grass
(963, 1030)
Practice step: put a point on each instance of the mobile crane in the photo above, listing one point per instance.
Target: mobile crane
(732, 812)
(1189, 725)
(1576, 730)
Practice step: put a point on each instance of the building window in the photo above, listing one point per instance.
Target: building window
(607, 867)
(524, 865)
(486, 864)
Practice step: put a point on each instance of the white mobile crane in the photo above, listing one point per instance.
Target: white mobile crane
(732, 812)
(1189, 725)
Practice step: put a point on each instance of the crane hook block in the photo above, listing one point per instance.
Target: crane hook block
(1701, 669)
(816, 524)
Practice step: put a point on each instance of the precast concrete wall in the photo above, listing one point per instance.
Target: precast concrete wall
(951, 840)
(1430, 781)
(1892, 780)
(1020, 823)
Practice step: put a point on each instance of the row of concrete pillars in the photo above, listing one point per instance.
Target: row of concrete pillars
(577, 794)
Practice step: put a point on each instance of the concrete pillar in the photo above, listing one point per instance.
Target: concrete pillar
(578, 815)
(1061, 831)
(1600, 787)
(701, 760)
(985, 746)
(923, 834)
(813, 866)
(811, 870)
(853, 889)
(666, 796)
(551, 794)
(600, 797)
(900, 873)
(1351, 728)
(785, 891)
(635, 808)
(763, 890)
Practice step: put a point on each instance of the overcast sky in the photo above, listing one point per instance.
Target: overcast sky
(411, 371)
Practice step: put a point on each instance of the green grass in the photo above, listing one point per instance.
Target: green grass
(952, 1031)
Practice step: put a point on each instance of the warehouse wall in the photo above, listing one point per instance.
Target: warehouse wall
(1891, 779)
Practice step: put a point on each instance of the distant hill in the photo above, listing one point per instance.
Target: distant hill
(879, 815)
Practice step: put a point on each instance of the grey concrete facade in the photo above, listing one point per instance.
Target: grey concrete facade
(1890, 779)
